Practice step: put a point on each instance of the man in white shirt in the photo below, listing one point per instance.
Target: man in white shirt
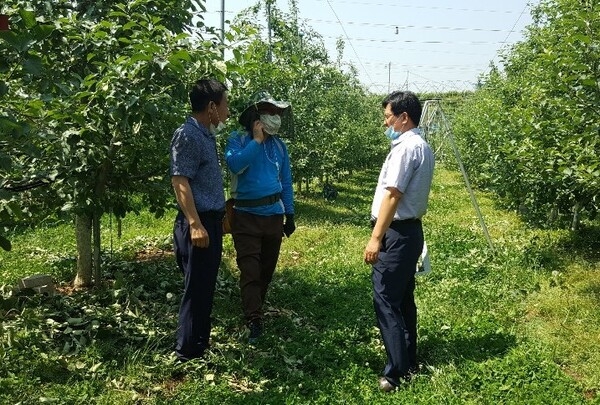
(397, 238)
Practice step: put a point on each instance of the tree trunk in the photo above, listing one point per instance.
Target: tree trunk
(83, 236)
(96, 233)
(575, 223)
(553, 214)
(101, 181)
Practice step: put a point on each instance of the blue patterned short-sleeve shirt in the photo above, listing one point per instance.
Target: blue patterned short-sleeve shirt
(194, 155)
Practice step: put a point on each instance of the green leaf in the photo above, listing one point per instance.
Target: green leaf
(132, 101)
(33, 65)
(19, 42)
(589, 82)
(7, 124)
(121, 59)
(42, 32)
(583, 38)
(75, 321)
(150, 109)
(28, 17)
(118, 14)
(129, 25)
(176, 66)
(100, 35)
(140, 56)
(182, 54)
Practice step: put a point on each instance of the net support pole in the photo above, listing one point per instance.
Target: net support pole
(448, 130)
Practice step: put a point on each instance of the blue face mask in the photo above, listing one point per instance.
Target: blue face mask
(391, 134)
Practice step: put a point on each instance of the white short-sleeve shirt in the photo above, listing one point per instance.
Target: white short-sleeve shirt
(409, 168)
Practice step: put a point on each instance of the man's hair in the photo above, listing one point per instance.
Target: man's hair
(404, 101)
(204, 91)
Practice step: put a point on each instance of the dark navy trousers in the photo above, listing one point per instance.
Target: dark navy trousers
(393, 296)
(199, 267)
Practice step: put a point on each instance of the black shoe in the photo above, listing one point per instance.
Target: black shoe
(256, 330)
(184, 358)
(385, 385)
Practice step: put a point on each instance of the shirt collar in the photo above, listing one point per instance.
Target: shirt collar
(405, 135)
(200, 126)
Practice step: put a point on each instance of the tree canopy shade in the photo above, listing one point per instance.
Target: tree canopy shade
(89, 95)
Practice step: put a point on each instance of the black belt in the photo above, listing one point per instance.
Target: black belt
(397, 222)
(268, 200)
(218, 215)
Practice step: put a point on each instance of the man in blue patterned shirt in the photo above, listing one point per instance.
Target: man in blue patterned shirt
(198, 234)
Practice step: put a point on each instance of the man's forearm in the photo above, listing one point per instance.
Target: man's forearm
(185, 199)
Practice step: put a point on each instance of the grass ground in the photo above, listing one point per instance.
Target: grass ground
(514, 324)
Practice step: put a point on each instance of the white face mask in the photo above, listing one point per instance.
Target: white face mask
(271, 123)
(215, 130)
(220, 126)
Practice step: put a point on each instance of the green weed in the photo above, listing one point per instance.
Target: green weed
(513, 324)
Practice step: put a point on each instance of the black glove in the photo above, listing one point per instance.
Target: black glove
(289, 227)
